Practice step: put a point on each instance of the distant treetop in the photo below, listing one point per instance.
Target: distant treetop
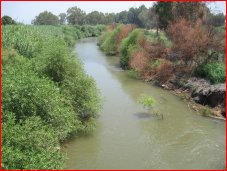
(7, 20)
(46, 18)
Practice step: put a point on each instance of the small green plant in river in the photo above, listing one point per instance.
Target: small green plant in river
(148, 102)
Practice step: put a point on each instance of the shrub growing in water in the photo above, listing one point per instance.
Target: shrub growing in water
(147, 101)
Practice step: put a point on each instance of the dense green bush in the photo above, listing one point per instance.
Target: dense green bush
(29, 144)
(46, 95)
(52, 61)
(90, 31)
(71, 34)
(109, 45)
(10, 57)
(128, 45)
(103, 37)
(215, 72)
(25, 94)
(65, 70)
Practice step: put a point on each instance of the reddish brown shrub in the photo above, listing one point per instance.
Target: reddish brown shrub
(164, 72)
(190, 39)
(110, 27)
(147, 75)
(140, 60)
(155, 50)
(125, 30)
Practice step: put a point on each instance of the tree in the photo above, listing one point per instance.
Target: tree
(62, 18)
(7, 20)
(164, 12)
(95, 17)
(122, 17)
(218, 19)
(153, 17)
(46, 18)
(144, 18)
(76, 16)
(191, 11)
(109, 18)
(133, 15)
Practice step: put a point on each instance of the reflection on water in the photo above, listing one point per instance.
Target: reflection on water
(127, 137)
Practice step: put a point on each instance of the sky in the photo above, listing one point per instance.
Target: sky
(26, 11)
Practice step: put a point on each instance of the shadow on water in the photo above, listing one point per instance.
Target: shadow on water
(146, 115)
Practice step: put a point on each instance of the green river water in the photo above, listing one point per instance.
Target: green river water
(127, 138)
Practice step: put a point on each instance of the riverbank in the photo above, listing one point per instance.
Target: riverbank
(203, 97)
(47, 96)
(155, 59)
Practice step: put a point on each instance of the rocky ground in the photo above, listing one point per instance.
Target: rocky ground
(209, 99)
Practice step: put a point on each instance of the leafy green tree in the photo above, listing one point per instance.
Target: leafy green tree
(109, 18)
(95, 17)
(76, 16)
(46, 18)
(133, 15)
(122, 17)
(7, 20)
(164, 12)
(62, 18)
(153, 18)
(144, 18)
(218, 19)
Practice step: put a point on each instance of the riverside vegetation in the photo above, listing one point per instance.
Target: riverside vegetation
(47, 97)
(46, 94)
(196, 51)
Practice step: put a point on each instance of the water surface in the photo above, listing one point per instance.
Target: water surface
(128, 138)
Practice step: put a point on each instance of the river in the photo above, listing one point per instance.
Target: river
(128, 138)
